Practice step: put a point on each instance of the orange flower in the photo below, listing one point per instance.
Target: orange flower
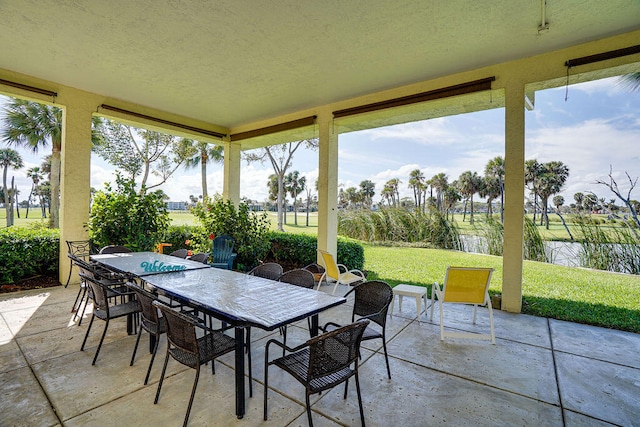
(187, 242)
(212, 236)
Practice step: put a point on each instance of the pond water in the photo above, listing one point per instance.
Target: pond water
(561, 253)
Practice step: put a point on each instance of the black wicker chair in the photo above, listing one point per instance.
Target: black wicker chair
(185, 347)
(79, 249)
(268, 270)
(321, 363)
(105, 277)
(299, 277)
(115, 249)
(180, 253)
(150, 322)
(372, 301)
(202, 257)
(106, 308)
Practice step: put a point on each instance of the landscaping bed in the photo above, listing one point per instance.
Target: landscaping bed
(34, 282)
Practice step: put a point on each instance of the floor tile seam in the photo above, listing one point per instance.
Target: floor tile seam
(484, 384)
(93, 408)
(596, 359)
(592, 417)
(35, 376)
(303, 404)
(459, 329)
(555, 372)
(44, 331)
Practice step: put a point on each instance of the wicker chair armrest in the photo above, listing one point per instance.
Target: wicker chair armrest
(353, 288)
(279, 344)
(324, 328)
(329, 334)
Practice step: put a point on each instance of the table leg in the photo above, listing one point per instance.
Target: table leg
(240, 396)
(314, 325)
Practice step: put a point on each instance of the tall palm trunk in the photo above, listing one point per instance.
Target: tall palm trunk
(279, 201)
(54, 219)
(7, 206)
(203, 174)
(29, 200)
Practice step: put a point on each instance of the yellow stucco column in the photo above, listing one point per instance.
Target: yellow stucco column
(75, 175)
(327, 184)
(231, 185)
(514, 197)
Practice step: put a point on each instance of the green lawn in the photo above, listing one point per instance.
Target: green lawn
(567, 293)
(34, 218)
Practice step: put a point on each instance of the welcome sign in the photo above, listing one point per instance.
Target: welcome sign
(159, 267)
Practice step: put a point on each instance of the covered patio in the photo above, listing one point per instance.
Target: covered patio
(247, 76)
(541, 372)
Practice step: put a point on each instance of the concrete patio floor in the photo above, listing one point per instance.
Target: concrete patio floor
(541, 372)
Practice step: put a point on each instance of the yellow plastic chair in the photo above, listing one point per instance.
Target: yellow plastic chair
(338, 272)
(464, 285)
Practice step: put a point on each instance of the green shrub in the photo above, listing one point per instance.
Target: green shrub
(247, 228)
(25, 253)
(125, 217)
(350, 253)
(301, 249)
(179, 235)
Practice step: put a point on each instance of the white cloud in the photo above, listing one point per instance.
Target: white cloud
(436, 131)
(588, 149)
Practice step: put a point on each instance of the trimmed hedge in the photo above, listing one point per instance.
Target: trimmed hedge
(25, 252)
(300, 250)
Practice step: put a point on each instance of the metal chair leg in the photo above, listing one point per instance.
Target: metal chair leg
(164, 370)
(193, 393)
(153, 356)
(104, 333)
(135, 348)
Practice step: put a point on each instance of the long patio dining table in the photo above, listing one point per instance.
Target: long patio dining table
(235, 298)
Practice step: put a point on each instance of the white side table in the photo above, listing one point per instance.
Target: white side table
(418, 292)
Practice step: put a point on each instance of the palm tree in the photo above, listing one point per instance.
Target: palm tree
(439, 182)
(391, 192)
(579, 198)
(495, 169)
(469, 184)
(295, 184)
(206, 153)
(532, 170)
(491, 189)
(36, 176)
(9, 158)
(367, 191)
(33, 125)
(451, 197)
(554, 175)
(631, 81)
(416, 183)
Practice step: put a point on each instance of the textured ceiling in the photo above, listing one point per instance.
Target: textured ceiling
(232, 62)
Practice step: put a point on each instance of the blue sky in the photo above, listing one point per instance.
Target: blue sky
(598, 126)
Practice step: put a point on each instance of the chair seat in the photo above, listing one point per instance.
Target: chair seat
(368, 334)
(210, 346)
(348, 278)
(297, 364)
(119, 310)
